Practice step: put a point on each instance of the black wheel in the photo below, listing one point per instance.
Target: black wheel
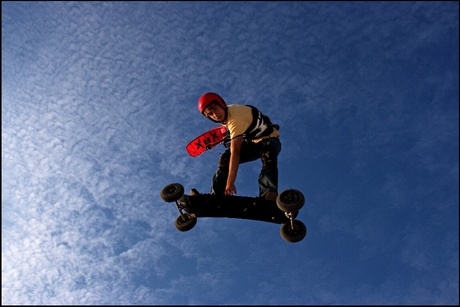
(295, 234)
(185, 222)
(290, 200)
(172, 192)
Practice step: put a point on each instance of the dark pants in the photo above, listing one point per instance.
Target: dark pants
(267, 150)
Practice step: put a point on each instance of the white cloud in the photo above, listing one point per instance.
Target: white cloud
(99, 101)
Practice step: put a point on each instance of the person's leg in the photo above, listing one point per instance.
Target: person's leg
(219, 180)
(268, 177)
(249, 152)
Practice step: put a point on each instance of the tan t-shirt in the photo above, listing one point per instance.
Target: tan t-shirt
(239, 119)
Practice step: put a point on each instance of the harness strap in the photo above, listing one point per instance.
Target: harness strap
(261, 125)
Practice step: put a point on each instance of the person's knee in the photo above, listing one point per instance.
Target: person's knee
(269, 159)
(224, 160)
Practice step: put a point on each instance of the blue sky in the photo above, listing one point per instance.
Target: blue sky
(99, 101)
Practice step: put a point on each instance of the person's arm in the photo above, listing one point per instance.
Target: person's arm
(235, 150)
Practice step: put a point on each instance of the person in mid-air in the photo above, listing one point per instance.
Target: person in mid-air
(252, 136)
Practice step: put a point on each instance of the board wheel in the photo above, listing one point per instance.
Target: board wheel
(293, 234)
(185, 222)
(172, 192)
(290, 200)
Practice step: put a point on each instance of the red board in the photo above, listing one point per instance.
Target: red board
(206, 141)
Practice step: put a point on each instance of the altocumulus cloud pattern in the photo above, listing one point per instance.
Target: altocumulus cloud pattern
(99, 101)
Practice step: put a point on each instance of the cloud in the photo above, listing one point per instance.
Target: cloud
(99, 101)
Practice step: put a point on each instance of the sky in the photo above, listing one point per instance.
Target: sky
(99, 100)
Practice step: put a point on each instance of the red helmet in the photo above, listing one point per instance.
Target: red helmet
(207, 98)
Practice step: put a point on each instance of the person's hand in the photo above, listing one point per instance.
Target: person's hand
(230, 189)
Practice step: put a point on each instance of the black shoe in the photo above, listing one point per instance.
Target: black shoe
(194, 192)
